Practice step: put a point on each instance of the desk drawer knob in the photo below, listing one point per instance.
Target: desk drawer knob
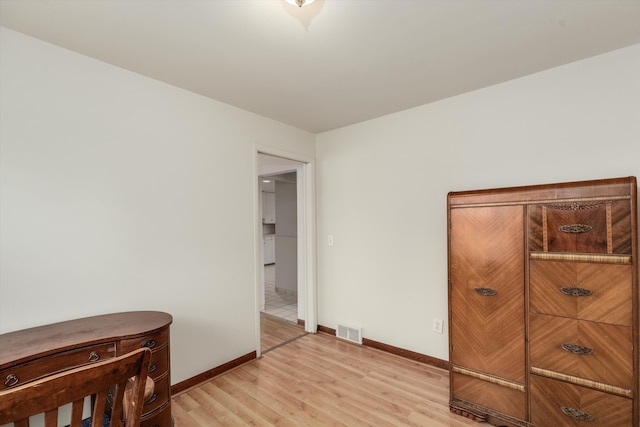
(576, 414)
(151, 399)
(148, 343)
(576, 348)
(152, 368)
(11, 380)
(576, 292)
(94, 357)
(485, 292)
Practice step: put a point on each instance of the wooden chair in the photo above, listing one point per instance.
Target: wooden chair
(127, 373)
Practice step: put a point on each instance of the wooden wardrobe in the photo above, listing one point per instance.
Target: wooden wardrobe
(543, 304)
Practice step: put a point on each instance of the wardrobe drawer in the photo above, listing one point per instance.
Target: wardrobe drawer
(555, 403)
(499, 398)
(581, 226)
(598, 292)
(54, 363)
(595, 351)
(152, 341)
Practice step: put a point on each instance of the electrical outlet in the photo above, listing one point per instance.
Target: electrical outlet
(438, 324)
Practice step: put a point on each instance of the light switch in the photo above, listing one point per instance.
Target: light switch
(437, 325)
(330, 240)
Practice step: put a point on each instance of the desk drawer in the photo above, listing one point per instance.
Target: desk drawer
(159, 364)
(605, 355)
(603, 290)
(160, 418)
(54, 363)
(152, 341)
(555, 403)
(159, 397)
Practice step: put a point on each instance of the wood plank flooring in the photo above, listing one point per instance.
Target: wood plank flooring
(319, 380)
(275, 331)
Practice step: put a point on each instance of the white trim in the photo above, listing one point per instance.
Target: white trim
(306, 236)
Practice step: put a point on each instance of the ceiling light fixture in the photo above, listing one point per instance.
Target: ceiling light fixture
(300, 3)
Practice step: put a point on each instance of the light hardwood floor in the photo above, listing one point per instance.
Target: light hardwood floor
(319, 380)
(275, 331)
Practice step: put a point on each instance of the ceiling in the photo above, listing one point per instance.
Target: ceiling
(334, 62)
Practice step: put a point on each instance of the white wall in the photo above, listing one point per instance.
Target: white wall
(115, 193)
(119, 192)
(382, 184)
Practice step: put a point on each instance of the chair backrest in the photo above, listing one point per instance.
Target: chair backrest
(112, 376)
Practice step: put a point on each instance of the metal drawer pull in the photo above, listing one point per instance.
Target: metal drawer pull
(94, 357)
(152, 399)
(152, 368)
(576, 348)
(576, 292)
(148, 343)
(485, 292)
(11, 380)
(575, 228)
(576, 414)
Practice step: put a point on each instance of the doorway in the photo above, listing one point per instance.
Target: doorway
(291, 265)
(280, 250)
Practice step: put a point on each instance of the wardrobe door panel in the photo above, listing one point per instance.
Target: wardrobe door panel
(487, 290)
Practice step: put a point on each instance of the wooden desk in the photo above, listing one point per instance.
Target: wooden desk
(32, 353)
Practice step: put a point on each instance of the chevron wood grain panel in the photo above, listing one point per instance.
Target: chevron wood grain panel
(536, 234)
(591, 215)
(487, 332)
(493, 396)
(621, 227)
(610, 285)
(611, 345)
(549, 397)
(608, 227)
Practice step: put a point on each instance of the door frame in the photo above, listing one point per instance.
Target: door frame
(306, 233)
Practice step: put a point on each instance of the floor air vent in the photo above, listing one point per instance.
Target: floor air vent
(349, 333)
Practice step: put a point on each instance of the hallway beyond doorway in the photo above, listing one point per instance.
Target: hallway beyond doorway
(278, 304)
